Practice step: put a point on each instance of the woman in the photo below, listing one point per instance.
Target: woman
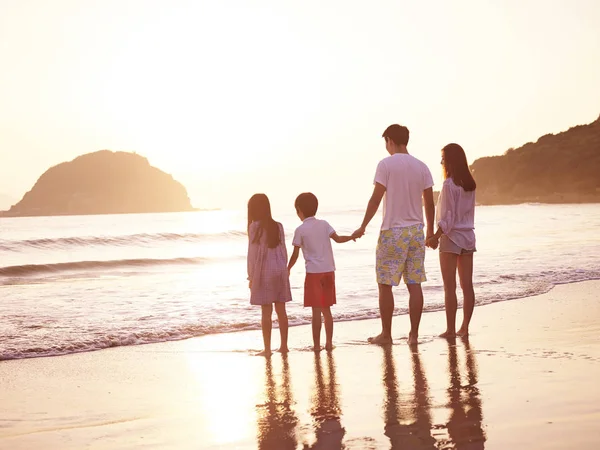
(267, 269)
(455, 217)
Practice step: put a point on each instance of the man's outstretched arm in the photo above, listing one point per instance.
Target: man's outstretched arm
(372, 208)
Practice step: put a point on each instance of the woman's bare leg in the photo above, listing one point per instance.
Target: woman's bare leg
(448, 263)
(283, 326)
(465, 274)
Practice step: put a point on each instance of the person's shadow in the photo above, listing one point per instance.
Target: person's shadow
(407, 420)
(276, 420)
(325, 408)
(464, 425)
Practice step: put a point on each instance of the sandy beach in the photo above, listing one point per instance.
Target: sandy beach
(526, 379)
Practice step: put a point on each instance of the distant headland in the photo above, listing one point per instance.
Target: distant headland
(558, 168)
(6, 201)
(103, 182)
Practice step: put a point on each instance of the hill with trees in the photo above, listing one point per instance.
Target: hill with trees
(558, 168)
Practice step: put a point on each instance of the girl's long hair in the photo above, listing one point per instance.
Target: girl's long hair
(259, 210)
(455, 166)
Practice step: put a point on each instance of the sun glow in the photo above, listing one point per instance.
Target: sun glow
(219, 390)
(238, 97)
(171, 82)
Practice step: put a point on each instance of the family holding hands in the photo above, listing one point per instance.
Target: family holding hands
(404, 184)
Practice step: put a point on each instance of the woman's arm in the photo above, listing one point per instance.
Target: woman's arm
(446, 216)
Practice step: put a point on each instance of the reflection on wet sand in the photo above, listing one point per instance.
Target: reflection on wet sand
(325, 409)
(276, 420)
(464, 425)
(407, 420)
(407, 410)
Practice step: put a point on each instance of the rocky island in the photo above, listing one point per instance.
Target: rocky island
(103, 182)
(558, 168)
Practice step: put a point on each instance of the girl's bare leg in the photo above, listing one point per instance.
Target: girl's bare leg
(266, 324)
(465, 274)
(448, 263)
(282, 318)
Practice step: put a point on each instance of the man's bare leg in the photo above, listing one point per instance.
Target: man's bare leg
(386, 311)
(448, 263)
(465, 274)
(415, 309)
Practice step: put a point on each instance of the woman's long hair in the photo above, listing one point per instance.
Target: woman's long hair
(454, 162)
(259, 210)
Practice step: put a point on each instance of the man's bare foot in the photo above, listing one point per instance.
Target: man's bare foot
(380, 340)
(413, 339)
(463, 332)
(266, 353)
(283, 350)
(317, 348)
(329, 347)
(448, 334)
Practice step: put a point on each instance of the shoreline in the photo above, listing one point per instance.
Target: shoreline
(7, 215)
(253, 328)
(526, 378)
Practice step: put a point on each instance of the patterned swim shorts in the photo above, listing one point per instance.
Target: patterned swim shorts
(401, 253)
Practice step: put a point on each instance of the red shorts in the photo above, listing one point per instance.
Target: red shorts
(319, 290)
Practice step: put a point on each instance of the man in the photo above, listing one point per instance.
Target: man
(404, 181)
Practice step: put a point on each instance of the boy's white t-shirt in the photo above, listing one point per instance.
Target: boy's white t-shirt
(314, 238)
(404, 178)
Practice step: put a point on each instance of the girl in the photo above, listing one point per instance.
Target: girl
(455, 235)
(267, 269)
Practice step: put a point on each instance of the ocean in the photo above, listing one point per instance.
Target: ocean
(82, 283)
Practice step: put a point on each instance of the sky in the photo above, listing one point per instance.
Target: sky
(234, 97)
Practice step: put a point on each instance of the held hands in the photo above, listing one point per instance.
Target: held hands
(358, 233)
(432, 241)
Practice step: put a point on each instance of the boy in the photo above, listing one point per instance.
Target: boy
(313, 237)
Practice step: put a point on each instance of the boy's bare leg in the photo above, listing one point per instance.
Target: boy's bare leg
(448, 263)
(328, 328)
(316, 328)
(386, 311)
(282, 318)
(415, 309)
(266, 324)
(465, 274)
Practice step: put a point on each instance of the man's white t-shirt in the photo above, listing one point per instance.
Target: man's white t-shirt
(404, 178)
(314, 238)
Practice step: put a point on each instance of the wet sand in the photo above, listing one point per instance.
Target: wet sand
(527, 378)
